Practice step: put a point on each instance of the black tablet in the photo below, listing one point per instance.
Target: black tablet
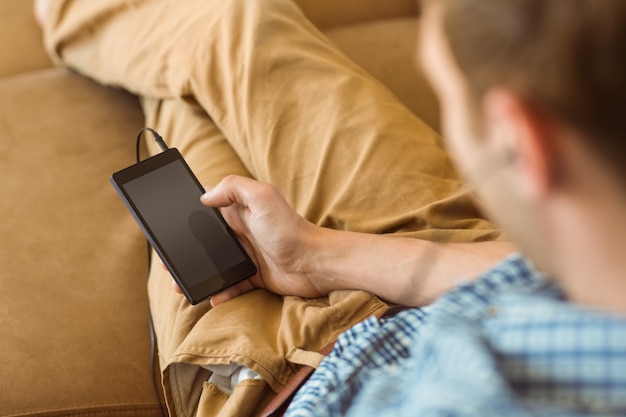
(193, 241)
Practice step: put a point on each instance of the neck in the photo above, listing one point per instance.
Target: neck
(591, 265)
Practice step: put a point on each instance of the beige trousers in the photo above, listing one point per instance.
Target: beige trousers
(253, 88)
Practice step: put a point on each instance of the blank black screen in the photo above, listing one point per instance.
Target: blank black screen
(191, 235)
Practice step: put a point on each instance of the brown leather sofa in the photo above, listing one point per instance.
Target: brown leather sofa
(74, 335)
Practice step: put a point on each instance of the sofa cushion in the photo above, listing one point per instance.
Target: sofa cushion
(74, 336)
(388, 50)
(20, 39)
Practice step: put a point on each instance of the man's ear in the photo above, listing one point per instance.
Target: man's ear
(520, 135)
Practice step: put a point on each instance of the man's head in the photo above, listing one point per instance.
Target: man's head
(566, 57)
(524, 86)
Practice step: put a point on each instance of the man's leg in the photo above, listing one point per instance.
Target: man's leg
(297, 113)
(185, 126)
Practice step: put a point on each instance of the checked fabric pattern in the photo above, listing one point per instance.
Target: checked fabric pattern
(506, 344)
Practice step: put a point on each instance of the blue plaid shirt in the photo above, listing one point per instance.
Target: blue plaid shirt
(505, 345)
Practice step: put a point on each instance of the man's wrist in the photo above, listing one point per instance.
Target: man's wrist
(321, 257)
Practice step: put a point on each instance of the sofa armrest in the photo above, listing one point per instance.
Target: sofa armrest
(20, 39)
(327, 14)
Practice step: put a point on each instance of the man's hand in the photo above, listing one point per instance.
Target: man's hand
(274, 235)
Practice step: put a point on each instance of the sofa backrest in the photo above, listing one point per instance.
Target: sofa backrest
(327, 14)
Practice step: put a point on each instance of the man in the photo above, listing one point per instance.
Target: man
(532, 96)
(536, 130)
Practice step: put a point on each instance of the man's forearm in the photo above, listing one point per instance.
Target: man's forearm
(400, 270)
